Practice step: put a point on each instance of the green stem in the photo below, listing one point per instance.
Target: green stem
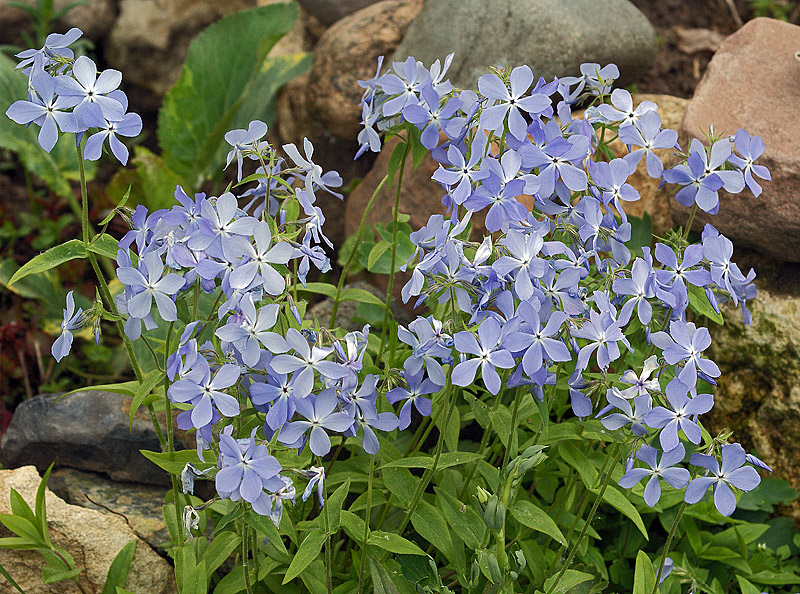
(352, 257)
(666, 545)
(688, 228)
(328, 554)
(176, 493)
(246, 558)
(483, 449)
(105, 293)
(367, 514)
(586, 523)
(390, 288)
(514, 411)
(428, 475)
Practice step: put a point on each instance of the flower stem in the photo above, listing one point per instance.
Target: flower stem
(666, 545)
(367, 514)
(328, 554)
(390, 288)
(245, 557)
(586, 524)
(351, 258)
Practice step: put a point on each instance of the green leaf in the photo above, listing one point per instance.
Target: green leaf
(398, 152)
(10, 580)
(644, 578)
(218, 550)
(50, 259)
(123, 201)
(23, 528)
(150, 381)
(700, 303)
(306, 553)
(360, 295)
(376, 252)
(430, 525)
(194, 581)
(573, 456)
(124, 388)
(394, 543)
(746, 587)
(56, 168)
(774, 578)
(105, 245)
(51, 575)
(570, 579)
(381, 581)
(151, 182)
(120, 566)
(465, 521)
(174, 462)
(618, 501)
(319, 289)
(446, 460)
(44, 286)
(220, 65)
(21, 509)
(537, 519)
(335, 504)
(418, 151)
(41, 505)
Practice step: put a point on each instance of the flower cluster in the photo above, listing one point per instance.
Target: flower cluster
(554, 289)
(58, 82)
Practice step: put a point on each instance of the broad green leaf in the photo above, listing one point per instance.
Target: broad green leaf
(319, 289)
(381, 581)
(150, 381)
(382, 264)
(394, 543)
(51, 575)
(430, 525)
(537, 519)
(700, 303)
(774, 578)
(335, 503)
(43, 286)
(151, 182)
(361, 296)
(120, 566)
(395, 159)
(746, 587)
(265, 526)
(105, 245)
(617, 500)
(174, 462)
(376, 252)
(573, 456)
(352, 525)
(644, 578)
(218, 550)
(21, 509)
(41, 505)
(194, 581)
(400, 483)
(10, 580)
(418, 151)
(446, 460)
(306, 553)
(23, 528)
(465, 521)
(570, 579)
(59, 254)
(220, 65)
(56, 168)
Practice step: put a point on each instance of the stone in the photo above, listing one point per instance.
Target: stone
(738, 91)
(330, 11)
(86, 430)
(138, 505)
(91, 537)
(348, 52)
(758, 395)
(94, 17)
(150, 38)
(551, 36)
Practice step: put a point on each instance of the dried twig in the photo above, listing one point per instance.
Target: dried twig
(734, 13)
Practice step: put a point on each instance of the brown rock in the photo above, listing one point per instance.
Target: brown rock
(95, 18)
(348, 52)
(92, 538)
(150, 38)
(751, 83)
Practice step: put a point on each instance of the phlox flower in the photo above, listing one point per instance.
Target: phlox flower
(320, 415)
(732, 473)
(658, 469)
(72, 320)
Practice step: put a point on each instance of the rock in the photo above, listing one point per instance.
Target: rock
(139, 505)
(348, 52)
(759, 390)
(420, 195)
(653, 201)
(86, 430)
(737, 91)
(94, 17)
(92, 538)
(330, 11)
(150, 38)
(551, 36)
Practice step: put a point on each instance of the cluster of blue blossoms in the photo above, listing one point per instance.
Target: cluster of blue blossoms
(552, 289)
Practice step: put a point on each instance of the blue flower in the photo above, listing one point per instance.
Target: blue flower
(205, 393)
(509, 103)
(663, 469)
(414, 394)
(149, 285)
(750, 148)
(244, 142)
(732, 473)
(90, 91)
(72, 320)
(489, 353)
(321, 414)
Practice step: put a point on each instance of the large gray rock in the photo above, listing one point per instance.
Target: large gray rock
(91, 537)
(553, 37)
(86, 430)
(752, 83)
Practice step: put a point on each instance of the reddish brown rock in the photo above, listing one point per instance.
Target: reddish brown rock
(752, 83)
(348, 52)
